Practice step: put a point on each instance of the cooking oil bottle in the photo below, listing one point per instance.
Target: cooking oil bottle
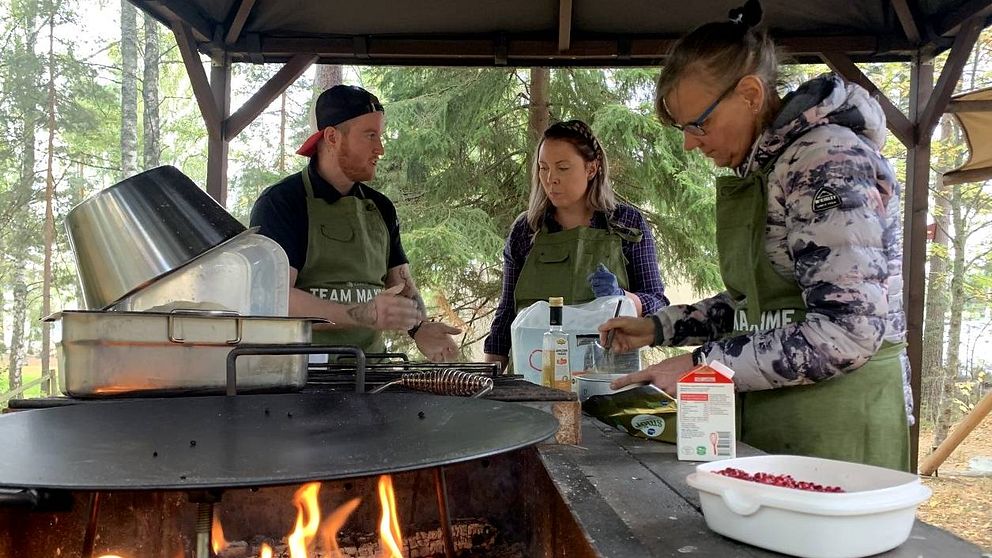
(556, 371)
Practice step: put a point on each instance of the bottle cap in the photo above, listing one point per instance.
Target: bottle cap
(556, 301)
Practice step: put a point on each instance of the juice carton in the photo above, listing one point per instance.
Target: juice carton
(706, 430)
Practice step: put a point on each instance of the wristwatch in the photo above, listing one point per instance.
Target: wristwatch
(698, 356)
(413, 330)
(659, 334)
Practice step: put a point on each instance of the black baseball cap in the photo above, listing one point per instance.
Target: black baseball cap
(336, 105)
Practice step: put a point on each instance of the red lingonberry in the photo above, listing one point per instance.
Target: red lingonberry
(785, 481)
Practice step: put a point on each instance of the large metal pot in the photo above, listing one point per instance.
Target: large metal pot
(144, 227)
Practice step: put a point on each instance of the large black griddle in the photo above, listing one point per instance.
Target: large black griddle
(254, 440)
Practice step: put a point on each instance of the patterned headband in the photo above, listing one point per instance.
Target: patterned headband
(582, 130)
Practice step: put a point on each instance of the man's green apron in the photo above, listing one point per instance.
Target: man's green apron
(559, 263)
(347, 259)
(858, 417)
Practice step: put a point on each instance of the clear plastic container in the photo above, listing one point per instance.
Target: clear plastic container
(248, 275)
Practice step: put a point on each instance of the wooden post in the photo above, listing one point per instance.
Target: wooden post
(218, 145)
(973, 419)
(915, 234)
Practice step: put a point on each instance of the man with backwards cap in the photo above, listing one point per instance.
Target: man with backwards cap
(347, 264)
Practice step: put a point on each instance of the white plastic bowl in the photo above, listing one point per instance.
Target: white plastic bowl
(873, 515)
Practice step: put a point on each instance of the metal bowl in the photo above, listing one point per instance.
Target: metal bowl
(140, 229)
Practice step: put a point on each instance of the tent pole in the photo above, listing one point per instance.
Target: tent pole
(915, 232)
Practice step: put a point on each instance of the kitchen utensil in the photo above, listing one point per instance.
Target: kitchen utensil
(608, 354)
(443, 382)
(105, 354)
(874, 514)
(255, 440)
(248, 274)
(140, 229)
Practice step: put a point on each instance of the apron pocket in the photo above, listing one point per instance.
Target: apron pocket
(552, 257)
(341, 232)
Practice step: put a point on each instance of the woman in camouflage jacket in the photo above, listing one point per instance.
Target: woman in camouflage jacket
(809, 236)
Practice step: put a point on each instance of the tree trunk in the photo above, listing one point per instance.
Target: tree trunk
(950, 390)
(540, 113)
(16, 357)
(328, 75)
(129, 89)
(49, 234)
(936, 300)
(149, 95)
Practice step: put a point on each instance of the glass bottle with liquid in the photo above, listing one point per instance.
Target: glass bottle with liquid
(556, 371)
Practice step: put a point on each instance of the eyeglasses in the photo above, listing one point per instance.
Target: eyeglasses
(695, 127)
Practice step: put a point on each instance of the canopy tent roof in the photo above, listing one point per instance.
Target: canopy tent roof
(547, 32)
(974, 111)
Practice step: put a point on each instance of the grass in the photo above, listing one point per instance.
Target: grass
(29, 373)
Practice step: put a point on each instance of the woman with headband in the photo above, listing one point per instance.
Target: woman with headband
(575, 240)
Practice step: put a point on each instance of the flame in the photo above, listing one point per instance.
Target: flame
(329, 529)
(308, 523)
(389, 525)
(307, 520)
(217, 540)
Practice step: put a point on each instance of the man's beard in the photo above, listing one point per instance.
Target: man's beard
(356, 171)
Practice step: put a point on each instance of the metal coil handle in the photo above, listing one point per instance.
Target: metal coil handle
(444, 382)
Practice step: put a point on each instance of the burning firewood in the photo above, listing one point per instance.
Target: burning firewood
(474, 535)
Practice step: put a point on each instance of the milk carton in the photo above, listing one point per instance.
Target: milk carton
(706, 430)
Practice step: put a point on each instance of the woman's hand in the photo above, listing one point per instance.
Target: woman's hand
(630, 334)
(664, 375)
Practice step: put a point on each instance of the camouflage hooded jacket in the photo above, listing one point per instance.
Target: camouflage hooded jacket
(845, 254)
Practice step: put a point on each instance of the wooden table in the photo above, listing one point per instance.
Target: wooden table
(631, 498)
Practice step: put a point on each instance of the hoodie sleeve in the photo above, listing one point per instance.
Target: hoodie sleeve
(694, 324)
(834, 221)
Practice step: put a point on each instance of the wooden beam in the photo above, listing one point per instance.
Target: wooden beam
(907, 20)
(564, 25)
(198, 78)
(914, 260)
(269, 91)
(540, 50)
(949, 23)
(901, 127)
(183, 11)
(968, 106)
(948, 80)
(238, 22)
(954, 439)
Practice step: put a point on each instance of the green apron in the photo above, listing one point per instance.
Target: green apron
(858, 417)
(559, 263)
(347, 259)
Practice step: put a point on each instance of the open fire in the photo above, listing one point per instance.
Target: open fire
(302, 542)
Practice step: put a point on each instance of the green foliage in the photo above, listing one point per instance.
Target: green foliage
(455, 165)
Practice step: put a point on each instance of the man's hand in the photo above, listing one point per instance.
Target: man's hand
(603, 282)
(665, 374)
(631, 333)
(435, 341)
(388, 311)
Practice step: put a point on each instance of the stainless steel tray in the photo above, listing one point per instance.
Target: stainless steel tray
(104, 354)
